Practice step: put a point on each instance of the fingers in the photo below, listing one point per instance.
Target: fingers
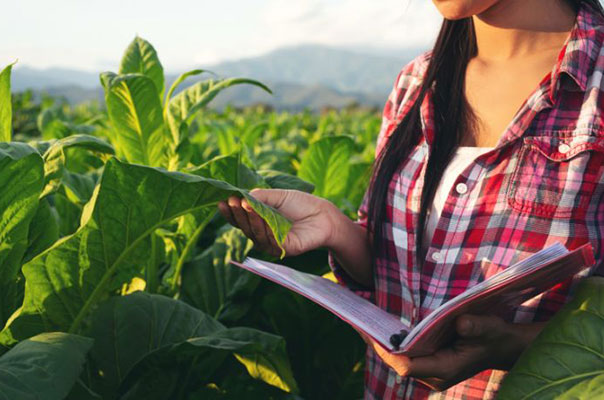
(240, 216)
(448, 367)
(260, 231)
(465, 358)
(239, 213)
(474, 326)
(225, 211)
(431, 367)
(397, 362)
(271, 197)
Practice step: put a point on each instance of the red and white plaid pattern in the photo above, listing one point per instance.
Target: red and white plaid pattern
(543, 182)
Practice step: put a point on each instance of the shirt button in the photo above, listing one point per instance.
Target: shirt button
(436, 256)
(563, 148)
(398, 379)
(461, 188)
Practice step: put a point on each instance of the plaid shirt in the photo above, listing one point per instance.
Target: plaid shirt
(542, 183)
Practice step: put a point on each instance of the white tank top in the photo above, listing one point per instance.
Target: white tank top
(461, 159)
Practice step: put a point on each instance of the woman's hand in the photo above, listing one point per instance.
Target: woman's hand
(314, 220)
(484, 342)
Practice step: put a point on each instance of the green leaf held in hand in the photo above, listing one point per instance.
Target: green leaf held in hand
(65, 283)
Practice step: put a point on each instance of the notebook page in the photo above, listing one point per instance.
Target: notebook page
(353, 309)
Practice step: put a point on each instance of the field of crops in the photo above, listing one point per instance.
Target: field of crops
(115, 281)
(115, 278)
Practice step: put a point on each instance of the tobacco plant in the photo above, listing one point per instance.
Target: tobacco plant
(74, 324)
(115, 281)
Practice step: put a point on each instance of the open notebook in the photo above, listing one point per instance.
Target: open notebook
(516, 284)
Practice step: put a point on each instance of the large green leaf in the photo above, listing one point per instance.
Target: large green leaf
(181, 78)
(236, 388)
(21, 180)
(358, 180)
(46, 117)
(191, 363)
(215, 286)
(79, 187)
(230, 169)
(56, 129)
(64, 283)
(155, 321)
(326, 354)
(53, 123)
(588, 389)
(43, 367)
(566, 360)
(184, 105)
(140, 57)
(177, 345)
(253, 133)
(43, 230)
(227, 139)
(54, 157)
(327, 166)
(6, 110)
(136, 115)
(181, 245)
(82, 392)
(69, 214)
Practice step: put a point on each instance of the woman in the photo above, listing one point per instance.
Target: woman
(492, 145)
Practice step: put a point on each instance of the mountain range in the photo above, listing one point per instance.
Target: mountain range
(309, 76)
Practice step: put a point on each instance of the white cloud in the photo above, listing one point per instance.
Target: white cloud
(351, 23)
(387, 23)
(291, 12)
(187, 33)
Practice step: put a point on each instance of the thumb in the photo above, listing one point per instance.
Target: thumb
(271, 197)
(473, 326)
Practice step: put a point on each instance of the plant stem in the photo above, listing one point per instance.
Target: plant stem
(152, 271)
(184, 256)
(98, 290)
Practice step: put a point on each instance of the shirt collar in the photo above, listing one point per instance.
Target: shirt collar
(578, 56)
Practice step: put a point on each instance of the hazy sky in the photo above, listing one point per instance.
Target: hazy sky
(91, 34)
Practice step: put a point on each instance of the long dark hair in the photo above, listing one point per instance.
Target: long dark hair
(445, 75)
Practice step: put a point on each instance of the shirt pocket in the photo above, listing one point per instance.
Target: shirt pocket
(555, 177)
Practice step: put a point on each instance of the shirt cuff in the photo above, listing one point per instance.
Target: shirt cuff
(347, 281)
